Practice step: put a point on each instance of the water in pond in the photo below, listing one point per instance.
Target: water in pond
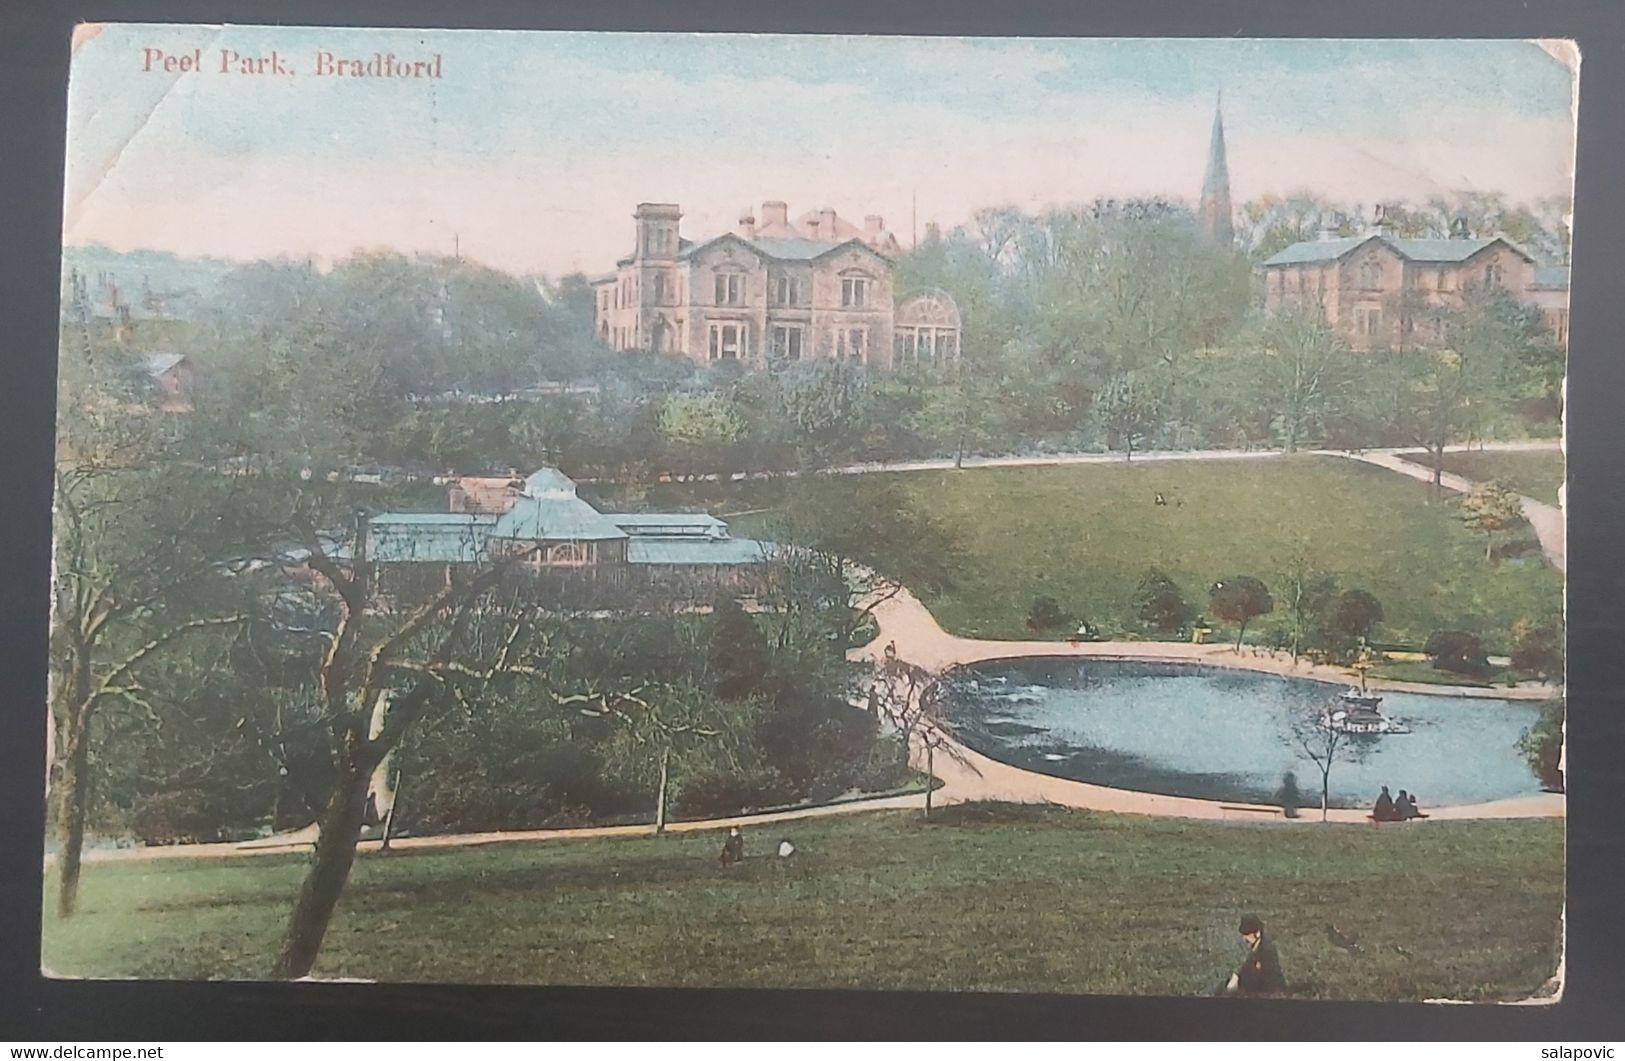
(1189, 730)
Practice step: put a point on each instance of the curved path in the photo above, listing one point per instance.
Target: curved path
(920, 640)
(304, 839)
(1547, 520)
(905, 621)
(968, 775)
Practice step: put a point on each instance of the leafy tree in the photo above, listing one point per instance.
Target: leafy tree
(960, 412)
(861, 543)
(144, 562)
(1160, 604)
(1130, 409)
(656, 726)
(1457, 651)
(738, 652)
(703, 430)
(1302, 369)
(1542, 745)
(1352, 615)
(1451, 389)
(1306, 593)
(1240, 599)
(1489, 509)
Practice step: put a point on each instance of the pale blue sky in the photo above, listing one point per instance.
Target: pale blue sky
(533, 147)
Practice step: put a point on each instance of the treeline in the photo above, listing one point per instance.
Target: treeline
(1110, 326)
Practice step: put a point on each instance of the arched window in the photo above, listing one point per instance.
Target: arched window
(927, 328)
(1370, 274)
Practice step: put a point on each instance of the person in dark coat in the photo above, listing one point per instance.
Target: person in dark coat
(1384, 810)
(733, 848)
(1402, 806)
(1411, 809)
(1260, 971)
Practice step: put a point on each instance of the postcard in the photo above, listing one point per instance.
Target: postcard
(972, 514)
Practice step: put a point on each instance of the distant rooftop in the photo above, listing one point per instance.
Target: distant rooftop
(1417, 250)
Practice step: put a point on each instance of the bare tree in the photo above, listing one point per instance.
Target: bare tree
(658, 724)
(1325, 744)
(912, 701)
(383, 672)
(141, 564)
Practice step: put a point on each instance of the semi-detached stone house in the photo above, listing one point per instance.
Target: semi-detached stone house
(770, 292)
(1379, 290)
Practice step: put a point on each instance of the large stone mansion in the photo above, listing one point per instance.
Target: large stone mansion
(771, 291)
(1380, 290)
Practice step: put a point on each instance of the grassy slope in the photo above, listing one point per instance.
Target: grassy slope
(1084, 534)
(1536, 474)
(1030, 899)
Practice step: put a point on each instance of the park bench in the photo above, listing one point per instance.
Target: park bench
(1226, 808)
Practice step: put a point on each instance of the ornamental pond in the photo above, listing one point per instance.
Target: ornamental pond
(1215, 733)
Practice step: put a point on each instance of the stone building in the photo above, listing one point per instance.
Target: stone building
(1380, 290)
(768, 292)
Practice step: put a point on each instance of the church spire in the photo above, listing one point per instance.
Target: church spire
(1213, 215)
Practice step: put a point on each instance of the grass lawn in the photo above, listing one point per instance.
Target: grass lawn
(1535, 474)
(1085, 534)
(985, 897)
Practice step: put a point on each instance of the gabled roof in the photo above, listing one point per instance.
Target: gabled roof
(796, 249)
(1448, 250)
(1317, 250)
(1416, 250)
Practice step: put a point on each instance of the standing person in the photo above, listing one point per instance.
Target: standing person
(1260, 971)
(733, 848)
(1384, 810)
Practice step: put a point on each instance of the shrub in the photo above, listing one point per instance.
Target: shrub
(1160, 605)
(1537, 649)
(1542, 745)
(1046, 614)
(1457, 651)
(717, 792)
(183, 817)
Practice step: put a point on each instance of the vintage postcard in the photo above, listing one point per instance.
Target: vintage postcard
(984, 514)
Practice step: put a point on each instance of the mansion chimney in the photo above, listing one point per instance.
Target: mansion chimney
(747, 224)
(775, 215)
(873, 226)
(826, 223)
